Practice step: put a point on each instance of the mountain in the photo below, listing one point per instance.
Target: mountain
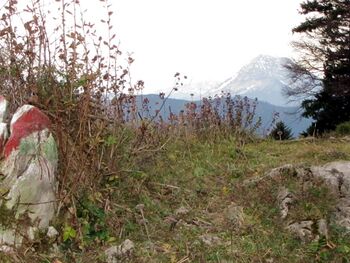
(264, 78)
(197, 89)
(289, 115)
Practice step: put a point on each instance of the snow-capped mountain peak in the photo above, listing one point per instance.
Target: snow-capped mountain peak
(263, 78)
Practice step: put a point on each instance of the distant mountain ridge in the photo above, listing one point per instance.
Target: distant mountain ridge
(263, 78)
(264, 110)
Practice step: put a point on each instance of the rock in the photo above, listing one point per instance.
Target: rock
(6, 249)
(29, 182)
(52, 232)
(335, 176)
(285, 198)
(26, 121)
(302, 230)
(119, 253)
(210, 240)
(342, 213)
(31, 232)
(10, 237)
(181, 211)
(322, 228)
(235, 216)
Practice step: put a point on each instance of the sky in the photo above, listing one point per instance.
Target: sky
(207, 40)
(203, 39)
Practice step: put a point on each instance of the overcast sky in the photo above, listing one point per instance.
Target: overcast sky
(203, 39)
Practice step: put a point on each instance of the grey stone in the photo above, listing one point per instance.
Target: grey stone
(181, 211)
(235, 216)
(52, 232)
(323, 228)
(118, 254)
(302, 230)
(210, 240)
(285, 199)
(335, 176)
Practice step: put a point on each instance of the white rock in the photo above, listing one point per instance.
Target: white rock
(31, 233)
(303, 230)
(210, 240)
(235, 216)
(6, 249)
(285, 199)
(181, 211)
(52, 232)
(117, 254)
(323, 228)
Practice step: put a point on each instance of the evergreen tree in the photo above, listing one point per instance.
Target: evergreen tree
(325, 51)
(281, 132)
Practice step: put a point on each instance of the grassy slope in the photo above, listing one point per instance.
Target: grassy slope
(206, 178)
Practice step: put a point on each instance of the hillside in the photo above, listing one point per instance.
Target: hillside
(90, 172)
(174, 205)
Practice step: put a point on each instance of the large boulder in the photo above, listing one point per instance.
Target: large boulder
(29, 184)
(334, 176)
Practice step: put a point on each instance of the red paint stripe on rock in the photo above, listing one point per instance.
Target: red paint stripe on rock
(31, 121)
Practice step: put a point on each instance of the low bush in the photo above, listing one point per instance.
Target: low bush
(343, 128)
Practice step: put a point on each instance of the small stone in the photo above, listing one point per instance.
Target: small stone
(6, 249)
(302, 230)
(181, 211)
(52, 232)
(210, 240)
(323, 228)
(10, 237)
(235, 215)
(117, 254)
(140, 207)
(285, 199)
(31, 232)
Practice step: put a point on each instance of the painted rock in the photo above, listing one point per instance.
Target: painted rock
(27, 120)
(29, 185)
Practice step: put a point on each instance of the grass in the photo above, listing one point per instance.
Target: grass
(206, 178)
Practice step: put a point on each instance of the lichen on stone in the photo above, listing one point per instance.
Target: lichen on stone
(50, 149)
